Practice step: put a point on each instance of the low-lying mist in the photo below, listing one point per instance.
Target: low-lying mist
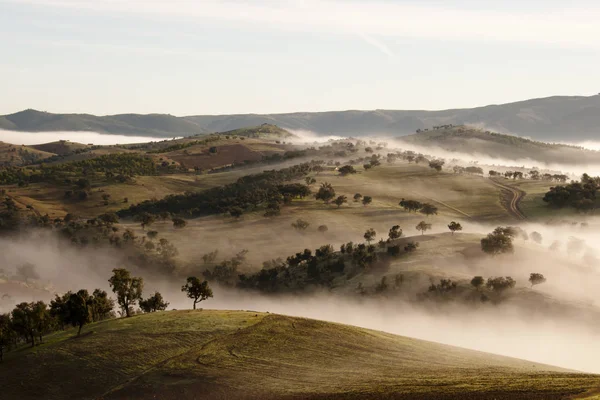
(29, 138)
(556, 323)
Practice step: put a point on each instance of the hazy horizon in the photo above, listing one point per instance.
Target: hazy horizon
(187, 58)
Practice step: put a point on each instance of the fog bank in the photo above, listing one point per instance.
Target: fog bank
(29, 138)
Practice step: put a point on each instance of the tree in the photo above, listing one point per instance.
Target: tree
(322, 228)
(370, 235)
(436, 164)
(23, 321)
(7, 334)
(500, 284)
(300, 224)
(154, 303)
(197, 290)
(536, 237)
(152, 234)
(108, 218)
(179, 223)
(101, 305)
(498, 242)
(477, 282)
(536, 279)
(428, 209)
(423, 226)
(325, 193)
(340, 200)
(367, 166)
(78, 309)
(127, 288)
(357, 197)
(145, 219)
(395, 232)
(454, 226)
(347, 169)
(367, 200)
(410, 205)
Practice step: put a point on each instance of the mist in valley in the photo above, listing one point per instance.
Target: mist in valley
(84, 137)
(554, 323)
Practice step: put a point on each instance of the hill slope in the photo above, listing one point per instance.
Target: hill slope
(552, 118)
(468, 140)
(158, 125)
(234, 354)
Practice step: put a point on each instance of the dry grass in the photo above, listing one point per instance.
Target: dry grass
(229, 354)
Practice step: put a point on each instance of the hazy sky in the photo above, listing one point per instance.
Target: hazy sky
(188, 57)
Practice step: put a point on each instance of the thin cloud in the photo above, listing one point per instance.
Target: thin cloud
(377, 44)
(573, 25)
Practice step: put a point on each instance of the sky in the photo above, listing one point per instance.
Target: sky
(192, 57)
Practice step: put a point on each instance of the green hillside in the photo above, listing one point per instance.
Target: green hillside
(235, 354)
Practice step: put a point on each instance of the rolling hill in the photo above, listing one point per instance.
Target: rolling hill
(158, 125)
(553, 118)
(473, 141)
(247, 355)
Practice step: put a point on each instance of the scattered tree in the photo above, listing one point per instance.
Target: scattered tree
(340, 200)
(428, 209)
(300, 224)
(454, 226)
(500, 284)
(367, 200)
(357, 197)
(154, 303)
(325, 193)
(395, 232)
(197, 290)
(127, 288)
(423, 227)
(347, 169)
(499, 241)
(322, 228)
(536, 279)
(436, 164)
(370, 235)
(145, 219)
(410, 205)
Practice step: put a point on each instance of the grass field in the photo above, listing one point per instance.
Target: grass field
(458, 197)
(235, 354)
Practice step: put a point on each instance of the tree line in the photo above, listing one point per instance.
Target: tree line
(246, 194)
(30, 322)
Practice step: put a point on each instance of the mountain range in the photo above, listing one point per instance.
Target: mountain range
(558, 118)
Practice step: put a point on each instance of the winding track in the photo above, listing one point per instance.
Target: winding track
(513, 205)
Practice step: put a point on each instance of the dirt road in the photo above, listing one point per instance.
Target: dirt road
(514, 197)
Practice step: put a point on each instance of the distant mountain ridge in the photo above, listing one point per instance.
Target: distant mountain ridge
(563, 118)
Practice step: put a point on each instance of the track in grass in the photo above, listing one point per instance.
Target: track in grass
(512, 205)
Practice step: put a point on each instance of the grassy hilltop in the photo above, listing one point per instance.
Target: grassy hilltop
(236, 354)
